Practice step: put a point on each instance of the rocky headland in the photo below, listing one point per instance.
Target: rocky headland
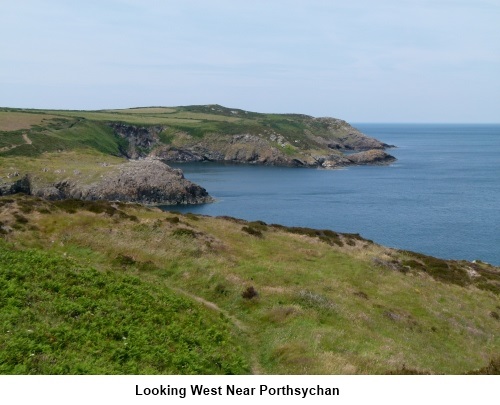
(319, 142)
(147, 181)
(45, 152)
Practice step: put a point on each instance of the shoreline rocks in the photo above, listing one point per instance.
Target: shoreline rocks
(321, 145)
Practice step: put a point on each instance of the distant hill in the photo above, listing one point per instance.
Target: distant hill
(207, 132)
(59, 154)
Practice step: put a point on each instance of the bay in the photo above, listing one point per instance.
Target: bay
(441, 197)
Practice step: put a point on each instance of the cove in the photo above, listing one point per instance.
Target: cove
(440, 197)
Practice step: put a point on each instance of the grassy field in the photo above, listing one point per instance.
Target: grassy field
(281, 300)
(85, 166)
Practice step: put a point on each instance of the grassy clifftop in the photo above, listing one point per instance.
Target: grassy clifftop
(97, 287)
(291, 139)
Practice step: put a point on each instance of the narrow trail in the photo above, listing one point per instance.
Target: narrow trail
(26, 139)
(213, 306)
(255, 366)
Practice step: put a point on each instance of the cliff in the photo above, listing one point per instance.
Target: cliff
(146, 181)
(244, 137)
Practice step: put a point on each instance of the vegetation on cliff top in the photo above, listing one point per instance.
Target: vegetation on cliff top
(56, 130)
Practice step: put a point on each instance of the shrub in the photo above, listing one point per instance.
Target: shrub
(192, 216)
(221, 289)
(184, 232)
(493, 368)
(21, 219)
(252, 231)
(407, 371)
(249, 293)
(44, 210)
(146, 266)
(71, 206)
(361, 294)
(258, 225)
(124, 260)
(173, 220)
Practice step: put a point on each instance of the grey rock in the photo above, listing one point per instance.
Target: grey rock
(371, 157)
(147, 181)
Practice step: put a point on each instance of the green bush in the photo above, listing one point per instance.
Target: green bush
(184, 232)
(252, 231)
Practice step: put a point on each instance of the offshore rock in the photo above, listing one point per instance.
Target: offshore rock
(371, 157)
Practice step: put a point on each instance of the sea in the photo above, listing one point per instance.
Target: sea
(441, 197)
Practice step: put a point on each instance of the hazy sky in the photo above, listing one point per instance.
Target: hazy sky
(360, 60)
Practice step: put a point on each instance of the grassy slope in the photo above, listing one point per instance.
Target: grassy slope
(321, 307)
(61, 317)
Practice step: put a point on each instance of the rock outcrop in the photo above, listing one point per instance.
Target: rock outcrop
(146, 181)
(21, 185)
(371, 157)
(240, 148)
(140, 139)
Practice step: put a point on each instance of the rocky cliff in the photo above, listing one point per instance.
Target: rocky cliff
(146, 181)
(317, 142)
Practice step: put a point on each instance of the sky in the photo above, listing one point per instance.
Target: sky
(359, 60)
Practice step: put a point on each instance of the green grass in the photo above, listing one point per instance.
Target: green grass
(64, 135)
(59, 317)
(86, 166)
(193, 294)
(321, 307)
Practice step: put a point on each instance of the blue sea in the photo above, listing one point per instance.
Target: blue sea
(441, 197)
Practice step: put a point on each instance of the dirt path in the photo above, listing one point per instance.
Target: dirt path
(213, 306)
(256, 368)
(27, 141)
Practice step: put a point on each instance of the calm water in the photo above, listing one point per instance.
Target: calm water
(442, 196)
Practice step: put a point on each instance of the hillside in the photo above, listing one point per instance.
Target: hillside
(111, 288)
(59, 154)
(291, 139)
